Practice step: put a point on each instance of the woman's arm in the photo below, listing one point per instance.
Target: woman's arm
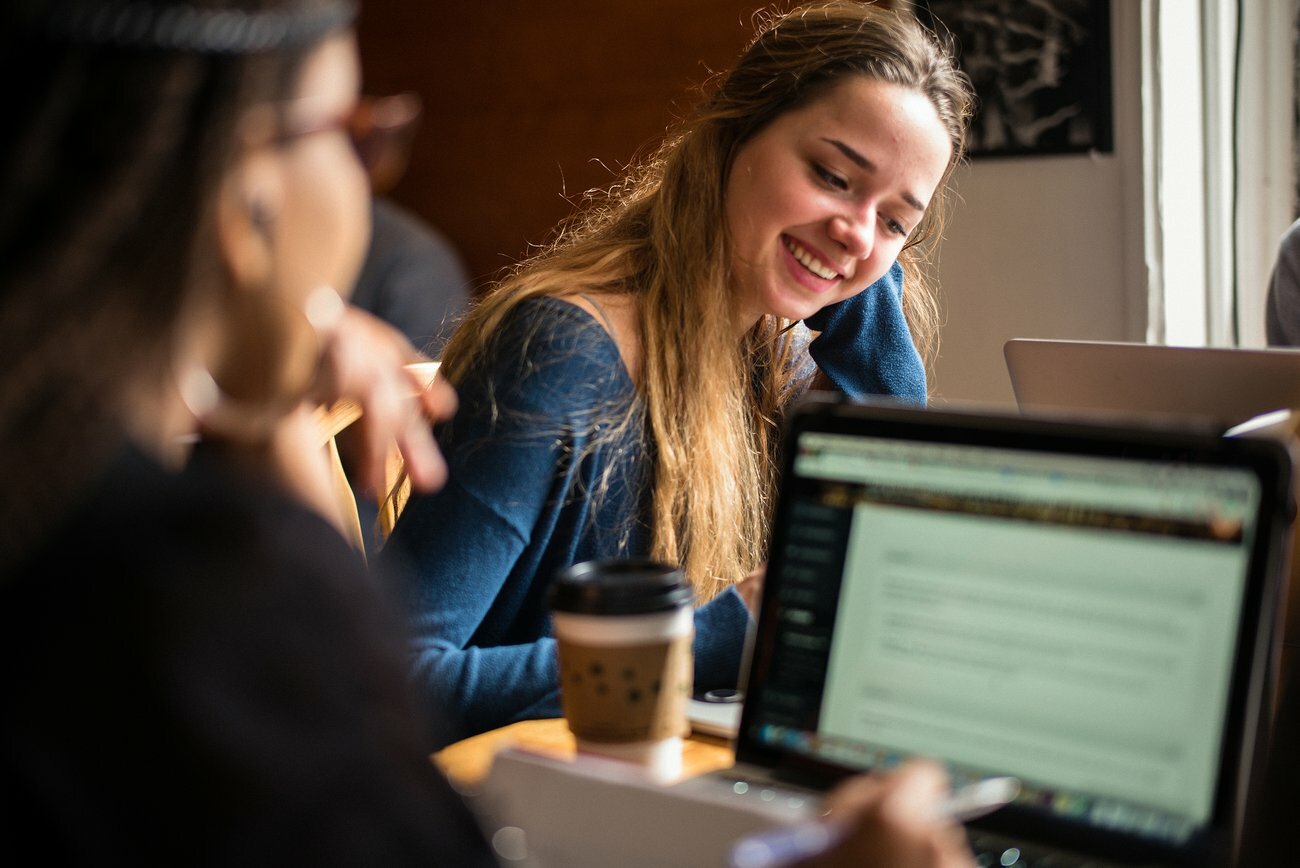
(523, 500)
(474, 587)
(473, 599)
(865, 347)
(363, 360)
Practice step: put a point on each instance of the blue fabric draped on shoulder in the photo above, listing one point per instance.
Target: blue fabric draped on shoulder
(865, 346)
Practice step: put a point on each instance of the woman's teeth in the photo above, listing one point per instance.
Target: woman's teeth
(810, 262)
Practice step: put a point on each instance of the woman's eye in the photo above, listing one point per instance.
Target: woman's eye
(830, 179)
(895, 227)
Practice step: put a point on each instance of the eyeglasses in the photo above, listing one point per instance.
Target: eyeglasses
(381, 130)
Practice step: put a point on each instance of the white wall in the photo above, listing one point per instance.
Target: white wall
(1036, 249)
(1045, 246)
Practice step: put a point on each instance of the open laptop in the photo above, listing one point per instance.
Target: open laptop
(1228, 386)
(1084, 607)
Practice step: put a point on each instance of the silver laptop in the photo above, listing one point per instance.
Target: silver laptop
(1082, 607)
(1227, 386)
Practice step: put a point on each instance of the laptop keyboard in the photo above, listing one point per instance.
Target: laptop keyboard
(781, 799)
(994, 851)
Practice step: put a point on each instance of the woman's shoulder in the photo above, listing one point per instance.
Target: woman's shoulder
(151, 591)
(207, 523)
(554, 344)
(186, 561)
(551, 320)
(202, 559)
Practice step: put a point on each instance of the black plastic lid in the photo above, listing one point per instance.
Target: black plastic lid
(620, 587)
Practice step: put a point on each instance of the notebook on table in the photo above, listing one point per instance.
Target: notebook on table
(1228, 386)
(716, 712)
(1084, 607)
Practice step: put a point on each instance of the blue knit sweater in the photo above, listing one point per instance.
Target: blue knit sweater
(525, 454)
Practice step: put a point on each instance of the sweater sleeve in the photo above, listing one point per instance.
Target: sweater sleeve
(463, 555)
(480, 553)
(720, 626)
(865, 347)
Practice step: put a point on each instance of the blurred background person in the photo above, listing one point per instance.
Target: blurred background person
(412, 277)
(1282, 311)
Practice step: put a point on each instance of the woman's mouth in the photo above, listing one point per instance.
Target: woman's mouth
(806, 258)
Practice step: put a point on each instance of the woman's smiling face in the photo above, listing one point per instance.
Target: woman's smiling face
(820, 202)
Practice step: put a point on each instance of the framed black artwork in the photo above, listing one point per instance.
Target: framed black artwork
(1041, 72)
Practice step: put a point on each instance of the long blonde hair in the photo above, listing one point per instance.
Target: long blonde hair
(712, 406)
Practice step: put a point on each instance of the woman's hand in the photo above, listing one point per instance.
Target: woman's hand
(865, 346)
(893, 821)
(364, 360)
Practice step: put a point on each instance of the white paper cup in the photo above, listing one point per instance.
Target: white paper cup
(624, 630)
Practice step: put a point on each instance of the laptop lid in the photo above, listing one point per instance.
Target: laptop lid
(1226, 385)
(1084, 607)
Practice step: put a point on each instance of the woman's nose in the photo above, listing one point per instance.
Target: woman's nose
(855, 232)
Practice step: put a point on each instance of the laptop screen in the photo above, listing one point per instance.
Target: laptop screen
(1050, 611)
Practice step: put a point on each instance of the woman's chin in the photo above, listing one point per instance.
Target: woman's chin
(792, 306)
(800, 310)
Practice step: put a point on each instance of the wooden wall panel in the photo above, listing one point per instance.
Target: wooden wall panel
(525, 100)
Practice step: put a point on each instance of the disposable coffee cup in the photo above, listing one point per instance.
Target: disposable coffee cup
(624, 631)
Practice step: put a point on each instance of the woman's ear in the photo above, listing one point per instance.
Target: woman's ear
(247, 219)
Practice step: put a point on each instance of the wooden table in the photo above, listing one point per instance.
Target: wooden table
(468, 761)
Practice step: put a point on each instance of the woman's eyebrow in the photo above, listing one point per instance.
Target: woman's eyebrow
(862, 162)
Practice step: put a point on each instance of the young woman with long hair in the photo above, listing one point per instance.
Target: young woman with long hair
(622, 393)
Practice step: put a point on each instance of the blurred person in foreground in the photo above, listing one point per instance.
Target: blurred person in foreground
(195, 666)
